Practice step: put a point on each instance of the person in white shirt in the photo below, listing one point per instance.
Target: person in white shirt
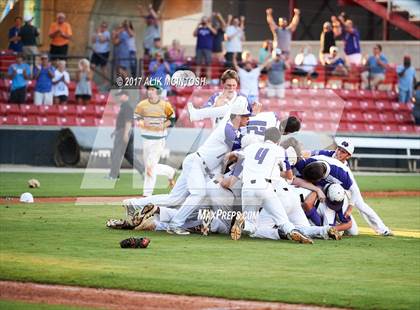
(249, 78)
(60, 81)
(234, 36)
(305, 63)
(263, 163)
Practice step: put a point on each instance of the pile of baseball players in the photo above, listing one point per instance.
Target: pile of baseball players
(249, 177)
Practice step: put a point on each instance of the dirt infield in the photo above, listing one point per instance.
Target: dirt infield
(129, 300)
(116, 200)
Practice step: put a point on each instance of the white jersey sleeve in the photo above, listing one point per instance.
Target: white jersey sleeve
(259, 123)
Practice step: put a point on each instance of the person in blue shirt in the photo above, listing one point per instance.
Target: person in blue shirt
(406, 80)
(15, 44)
(101, 40)
(205, 34)
(120, 38)
(159, 69)
(19, 73)
(43, 75)
(375, 69)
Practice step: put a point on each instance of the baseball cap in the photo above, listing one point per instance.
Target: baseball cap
(333, 49)
(26, 197)
(28, 18)
(278, 51)
(155, 84)
(335, 196)
(346, 145)
(240, 106)
(291, 155)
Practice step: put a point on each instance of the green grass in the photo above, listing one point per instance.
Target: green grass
(18, 305)
(68, 244)
(12, 184)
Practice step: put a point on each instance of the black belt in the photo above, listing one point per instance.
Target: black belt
(255, 181)
(206, 169)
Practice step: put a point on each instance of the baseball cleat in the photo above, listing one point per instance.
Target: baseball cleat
(147, 225)
(129, 209)
(333, 233)
(237, 227)
(177, 231)
(140, 215)
(296, 236)
(118, 224)
(388, 233)
(208, 216)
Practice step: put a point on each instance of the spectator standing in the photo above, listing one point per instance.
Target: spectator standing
(157, 47)
(334, 63)
(176, 55)
(351, 38)
(305, 63)
(152, 30)
(19, 73)
(155, 117)
(416, 108)
(275, 70)
(61, 81)
(204, 33)
(265, 51)
(15, 43)
(60, 33)
(43, 74)
(376, 67)
(101, 47)
(249, 78)
(28, 35)
(133, 49)
(406, 80)
(120, 38)
(219, 24)
(234, 36)
(159, 69)
(84, 78)
(327, 40)
(282, 33)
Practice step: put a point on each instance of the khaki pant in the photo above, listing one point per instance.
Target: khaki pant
(375, 79)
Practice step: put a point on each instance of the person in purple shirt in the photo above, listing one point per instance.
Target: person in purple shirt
(159, 69)
(351, 38)
(205, 34)
(15, 44)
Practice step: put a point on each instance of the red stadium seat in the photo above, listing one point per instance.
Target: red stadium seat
(100, 99)
(87, 121)
(306, 115)
(387, 118)
(86, 110)
(49, 110)
(352, 105)
(372, 117)
(308, 126)
(356, 127)
(321, 116)
(343, 126)
(106, 121)
(401, 107)
(30, 120)
(406, 128)
(99, 111)
(404, 118)
(353, 117)
(374, 127)
(9, 120)
(367, 105)
(68, 120)
(49, 120)
(333, 104)
(9, 109)
(335, 116)
(316, 104)
(29, 109)
(389, 128)
(383, 106)
(364, 95)
(67, 109)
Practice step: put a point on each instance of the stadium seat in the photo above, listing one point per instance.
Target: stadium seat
(335, 116)
(29, 109)
(317, 104)
(356, 127)
(99, 111)
(86, 121)
(9, 109)
(86, 110)
(372, 117)
(387, 118)
(364, 95)
(404, 118)
(68, 120)
(343, 126)
(30, 120)
(49, 110)
(353, 117)
(321, 115)
(100, 99)
(389, 128)
(49, 120)
(374, 127)
(308, 126)
(367, 105)
(9, 120)
(67, 109)
(352, 105)
(306, 115)
(383, 106)
(106, 121)
(406, 128)
(401, 107)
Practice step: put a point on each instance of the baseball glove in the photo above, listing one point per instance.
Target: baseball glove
(34, 183)
(135, 243)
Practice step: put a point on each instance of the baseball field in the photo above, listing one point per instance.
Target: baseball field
(56, 241)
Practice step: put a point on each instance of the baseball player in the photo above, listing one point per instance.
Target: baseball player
(154, 117)
(262, 162)
(321, 170)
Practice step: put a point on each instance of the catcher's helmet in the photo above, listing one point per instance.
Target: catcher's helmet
(335, 196)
